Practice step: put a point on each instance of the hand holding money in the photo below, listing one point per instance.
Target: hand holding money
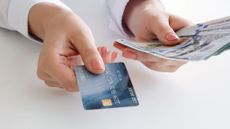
(199, 42)
(147, 20)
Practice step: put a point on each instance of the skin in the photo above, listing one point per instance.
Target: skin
(147, 20)
(67, 41)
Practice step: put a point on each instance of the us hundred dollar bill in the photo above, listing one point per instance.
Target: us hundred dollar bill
(199, 42)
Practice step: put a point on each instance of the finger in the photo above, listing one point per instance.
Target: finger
(104, 53)
(52, 83)
(156, 67)
(75, 61)
(84, 42)
(65, 76)
(43, 75)
(61, 71)
(119, 46)
(163, 31)
(100, 50)
(145, 57)
(114, 56)
(108, 56)
(141, 56)
(172, 63)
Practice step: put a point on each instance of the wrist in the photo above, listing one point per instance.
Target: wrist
(42, 15)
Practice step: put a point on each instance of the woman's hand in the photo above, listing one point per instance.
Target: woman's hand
(148, 20)
(65, 36)
(150, 61)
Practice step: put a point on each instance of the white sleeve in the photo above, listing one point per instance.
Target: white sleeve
(116, 10)
(4, 6)
(14, 14)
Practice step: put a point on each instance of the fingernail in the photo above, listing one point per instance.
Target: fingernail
(172, 37)
(130, 55)
(97, 64)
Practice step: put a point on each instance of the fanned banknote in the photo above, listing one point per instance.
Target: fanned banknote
(199, 42)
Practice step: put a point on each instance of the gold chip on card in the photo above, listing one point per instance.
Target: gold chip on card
(107, 102)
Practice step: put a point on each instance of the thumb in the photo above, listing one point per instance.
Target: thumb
(86, 47)
(164, 32)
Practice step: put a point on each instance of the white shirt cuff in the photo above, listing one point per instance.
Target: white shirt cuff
(19, 11)
(116, 10)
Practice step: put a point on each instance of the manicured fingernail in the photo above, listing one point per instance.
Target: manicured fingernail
(97, 64)
(172, 37)
(130, 55)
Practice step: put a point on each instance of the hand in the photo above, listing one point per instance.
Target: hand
(147, 20)
(150, 61)
(65, 36)
(107, 56)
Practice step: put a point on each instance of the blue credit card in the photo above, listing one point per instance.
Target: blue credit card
(111, 89)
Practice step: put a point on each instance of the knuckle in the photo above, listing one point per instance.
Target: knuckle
(155, 68)
(155, 59)
(40, 71)
(89, 52)
(40, 75)
(49, 84)
(69, 83)
(162, 61)
(151, 65)
(142, 56)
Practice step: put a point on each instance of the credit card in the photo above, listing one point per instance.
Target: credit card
(111, 89)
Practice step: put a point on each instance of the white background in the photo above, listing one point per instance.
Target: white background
(195, 97)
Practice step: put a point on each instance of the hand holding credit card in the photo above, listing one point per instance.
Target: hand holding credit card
(111, 89)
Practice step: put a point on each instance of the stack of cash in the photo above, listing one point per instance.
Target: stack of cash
(199, 42)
